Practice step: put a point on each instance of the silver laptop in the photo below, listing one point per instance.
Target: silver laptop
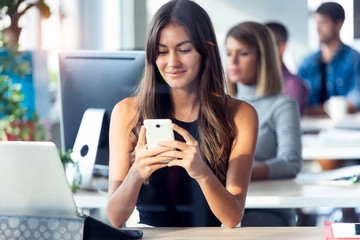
(33, 181)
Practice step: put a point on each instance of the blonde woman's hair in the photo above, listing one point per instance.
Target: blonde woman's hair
(269, 75)
(216, 132)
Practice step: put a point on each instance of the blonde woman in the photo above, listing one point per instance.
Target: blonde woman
(205, 181)
(254, 75)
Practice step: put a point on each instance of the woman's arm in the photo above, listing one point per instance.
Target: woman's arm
(126, 179)
(121, 201)
(287, 162)
(227, 203)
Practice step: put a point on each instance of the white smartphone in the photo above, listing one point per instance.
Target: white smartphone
(158, 130)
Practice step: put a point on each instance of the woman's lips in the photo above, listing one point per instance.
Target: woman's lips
(234, 71)
(176, 73)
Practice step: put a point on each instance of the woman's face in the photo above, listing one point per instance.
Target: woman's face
(241, 62)
(178, 61)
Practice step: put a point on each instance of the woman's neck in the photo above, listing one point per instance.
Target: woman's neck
(186, 106)
(246, 92)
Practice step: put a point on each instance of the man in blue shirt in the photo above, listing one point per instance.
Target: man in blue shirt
(334, 69)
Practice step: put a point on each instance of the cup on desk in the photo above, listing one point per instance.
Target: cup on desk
(336, 108)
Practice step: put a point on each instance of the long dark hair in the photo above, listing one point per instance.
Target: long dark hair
(215, 129)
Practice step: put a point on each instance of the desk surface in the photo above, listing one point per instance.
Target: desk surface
(330, 147)
(315, 150)
(287, 193)
(292, 194)
(311, 124)
(249, 233)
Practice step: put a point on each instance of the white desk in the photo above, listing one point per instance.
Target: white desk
(291, 194)
(245, 233)
(307, 190)
(287, 193)
(90, 199)
(311, 124)
(316, 147)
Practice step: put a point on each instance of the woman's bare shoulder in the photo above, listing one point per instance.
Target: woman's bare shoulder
(126, 106)
(241, 110)
(124, 112)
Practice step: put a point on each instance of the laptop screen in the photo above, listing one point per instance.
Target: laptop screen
(33, 181)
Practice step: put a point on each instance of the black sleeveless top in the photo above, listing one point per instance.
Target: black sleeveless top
(172, 198)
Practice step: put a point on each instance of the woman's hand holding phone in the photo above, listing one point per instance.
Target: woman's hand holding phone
(188, 157)
(147, 160)
(161, 150)
(147, 150)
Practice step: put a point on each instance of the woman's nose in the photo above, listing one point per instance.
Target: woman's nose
(233, 59)
(173, 59)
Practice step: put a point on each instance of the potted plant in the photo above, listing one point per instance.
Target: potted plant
(15, 9)
(14, 124)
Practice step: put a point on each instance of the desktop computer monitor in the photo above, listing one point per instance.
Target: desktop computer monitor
(95, 79)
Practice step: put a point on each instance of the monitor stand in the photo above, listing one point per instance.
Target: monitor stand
(87, 147)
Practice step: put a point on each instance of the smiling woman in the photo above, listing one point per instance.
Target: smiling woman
(205, 182)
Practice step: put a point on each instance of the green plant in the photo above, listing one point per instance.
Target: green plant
(66, 157)
(14, 125)
(12, 60)
(68, 162)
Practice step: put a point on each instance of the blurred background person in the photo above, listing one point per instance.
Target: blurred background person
(333, 69)
(293, 85)
(254, 75)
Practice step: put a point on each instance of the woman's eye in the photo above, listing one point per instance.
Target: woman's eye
(185, 50)
(244, 54)
(162, 52)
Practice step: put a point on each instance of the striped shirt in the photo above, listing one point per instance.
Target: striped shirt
(279, 139)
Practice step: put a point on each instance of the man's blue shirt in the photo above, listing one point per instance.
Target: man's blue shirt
(342, 75)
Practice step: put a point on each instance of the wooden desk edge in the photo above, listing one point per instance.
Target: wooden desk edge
(271, 233)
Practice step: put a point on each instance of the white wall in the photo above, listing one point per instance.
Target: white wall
(112, 24)
(91, 24)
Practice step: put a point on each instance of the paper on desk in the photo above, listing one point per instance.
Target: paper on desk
(346, 230)
(329, 176)
(338, 137)
(351, 121)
